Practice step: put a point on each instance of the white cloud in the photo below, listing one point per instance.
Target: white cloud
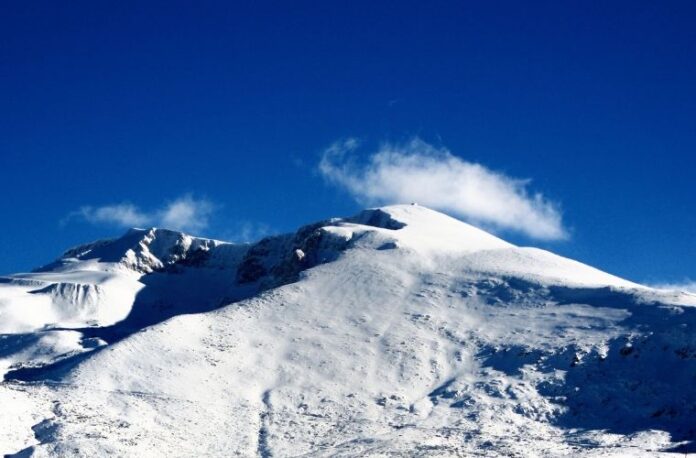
(688, 286)
(185, 214)
(119, 214)
(419, 172)
(248, 231)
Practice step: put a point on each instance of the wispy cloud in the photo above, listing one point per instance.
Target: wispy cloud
(417, 171)
(248, 231)
(120, 214)
(688, 286)
(185, 213)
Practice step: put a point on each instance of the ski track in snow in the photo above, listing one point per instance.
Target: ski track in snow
(398, 332)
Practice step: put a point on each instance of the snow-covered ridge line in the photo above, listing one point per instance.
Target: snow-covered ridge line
(141, 250)
(115, 271)
(399, 331)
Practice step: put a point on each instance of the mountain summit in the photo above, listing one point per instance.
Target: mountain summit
(397, 332)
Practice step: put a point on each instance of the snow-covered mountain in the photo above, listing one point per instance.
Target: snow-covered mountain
(397, 332)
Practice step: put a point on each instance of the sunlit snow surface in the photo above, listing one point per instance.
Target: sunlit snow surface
(398, 332)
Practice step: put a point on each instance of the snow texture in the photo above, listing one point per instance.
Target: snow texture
(397, 332)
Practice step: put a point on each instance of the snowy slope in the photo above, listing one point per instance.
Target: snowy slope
(398, 332)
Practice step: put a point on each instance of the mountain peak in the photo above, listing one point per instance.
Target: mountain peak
(425, 229)
(141, 250)
(399, 319)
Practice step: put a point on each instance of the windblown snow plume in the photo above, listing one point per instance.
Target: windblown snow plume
(688, 286)
(417, 171)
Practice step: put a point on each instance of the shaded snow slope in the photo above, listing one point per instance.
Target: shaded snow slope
(397, 332)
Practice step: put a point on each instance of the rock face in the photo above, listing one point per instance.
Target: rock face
(397, 332)
(143, 251)
(276, 261)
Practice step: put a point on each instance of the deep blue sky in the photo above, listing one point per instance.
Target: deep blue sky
(106, 102)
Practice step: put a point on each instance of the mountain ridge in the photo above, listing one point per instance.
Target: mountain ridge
(398, 331)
